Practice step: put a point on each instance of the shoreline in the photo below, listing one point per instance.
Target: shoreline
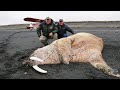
(73, 24)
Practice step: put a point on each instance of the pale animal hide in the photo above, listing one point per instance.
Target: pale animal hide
(80, 47)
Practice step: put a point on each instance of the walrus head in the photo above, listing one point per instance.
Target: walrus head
(35, 59)
(34, 62)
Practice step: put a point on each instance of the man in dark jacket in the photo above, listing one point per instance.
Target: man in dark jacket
(62, 29)
(46, 30)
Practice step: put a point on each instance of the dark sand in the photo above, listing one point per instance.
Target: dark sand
(17, 44)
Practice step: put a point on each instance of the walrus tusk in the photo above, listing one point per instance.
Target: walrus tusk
(36, 59)
(39, 69)
(36, 67)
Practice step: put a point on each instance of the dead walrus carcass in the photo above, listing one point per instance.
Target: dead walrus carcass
(80, 47)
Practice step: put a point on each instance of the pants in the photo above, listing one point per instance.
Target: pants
(62, 36)
(65, 35)
(45, 40)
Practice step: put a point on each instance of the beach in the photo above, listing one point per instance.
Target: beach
(17, 43)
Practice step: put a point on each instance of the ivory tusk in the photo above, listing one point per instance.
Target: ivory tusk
(39, 69)
(36, 59)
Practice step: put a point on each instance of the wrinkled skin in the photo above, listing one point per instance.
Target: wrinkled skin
(80, 47)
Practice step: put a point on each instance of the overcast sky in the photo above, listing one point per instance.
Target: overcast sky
(16, 17)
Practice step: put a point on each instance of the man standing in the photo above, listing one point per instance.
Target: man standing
(62, 29)
(46, 30)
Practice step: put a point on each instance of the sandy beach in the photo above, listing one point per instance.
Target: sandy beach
(17, 43)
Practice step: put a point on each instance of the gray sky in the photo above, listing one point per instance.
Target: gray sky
(16, 17)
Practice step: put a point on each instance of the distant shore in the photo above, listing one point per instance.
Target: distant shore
(73, 24)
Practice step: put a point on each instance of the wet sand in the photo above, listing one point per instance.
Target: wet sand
(16, 44)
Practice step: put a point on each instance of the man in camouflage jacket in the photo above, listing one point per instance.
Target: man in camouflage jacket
(47, 30)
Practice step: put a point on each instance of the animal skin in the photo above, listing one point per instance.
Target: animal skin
(80, 47)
